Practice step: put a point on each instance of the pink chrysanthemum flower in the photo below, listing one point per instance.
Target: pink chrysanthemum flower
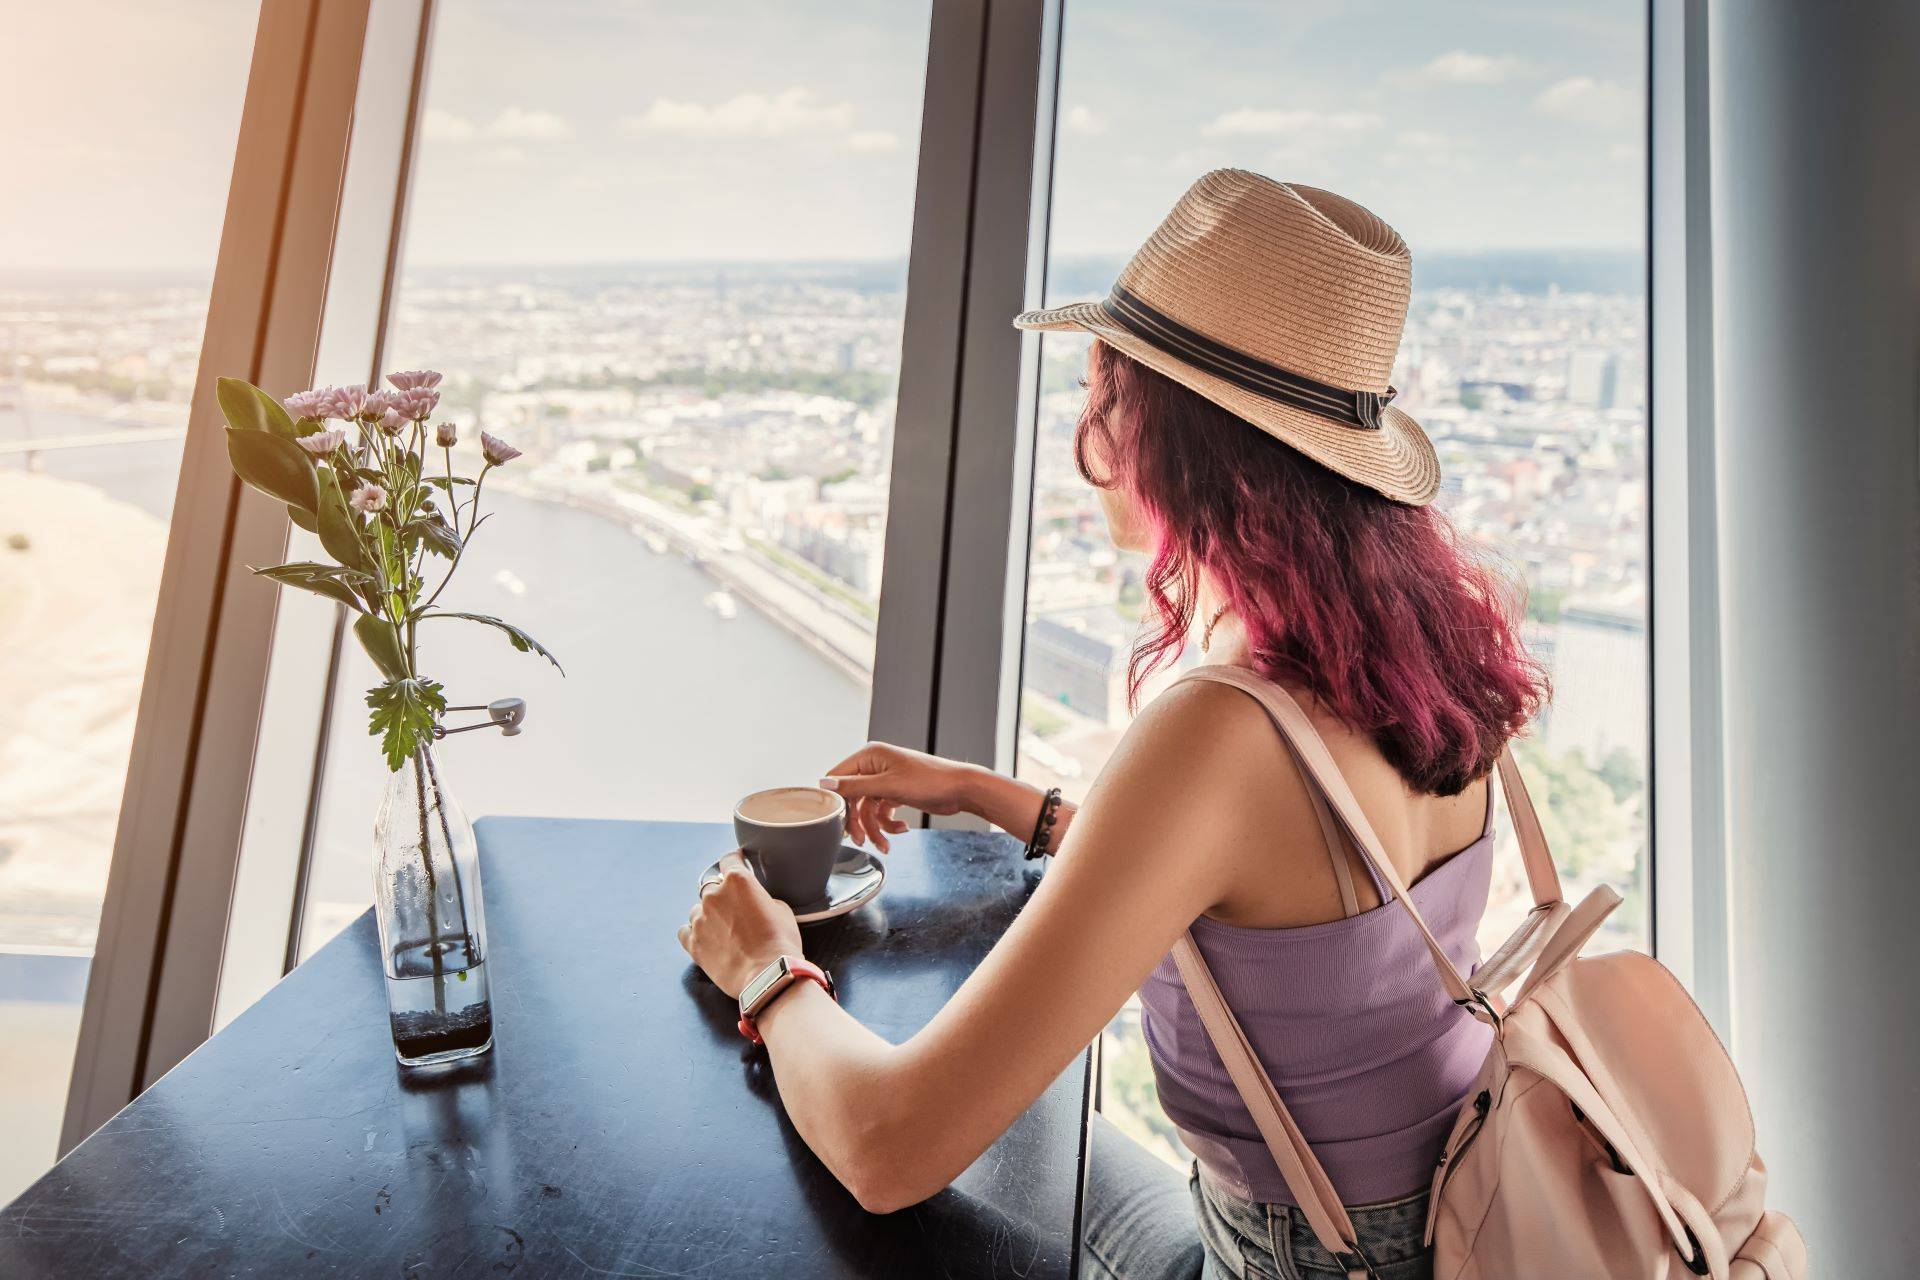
(369, 499)
(417, 403)
(347, 402)
(322, 443)
(496, 451)
(415, 379)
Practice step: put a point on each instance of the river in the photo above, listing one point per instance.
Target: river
(668, 710)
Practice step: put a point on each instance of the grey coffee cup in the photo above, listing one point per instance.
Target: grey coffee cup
(791, 836)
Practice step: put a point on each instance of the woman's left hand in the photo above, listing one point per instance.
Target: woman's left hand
(737, 928)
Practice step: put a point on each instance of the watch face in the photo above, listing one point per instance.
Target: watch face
(769, 978)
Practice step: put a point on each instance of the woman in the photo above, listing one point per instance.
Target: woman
(1238, 431)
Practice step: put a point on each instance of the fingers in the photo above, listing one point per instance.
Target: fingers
(854, 785)
(735, 861)
(686, 938)
(870, 819)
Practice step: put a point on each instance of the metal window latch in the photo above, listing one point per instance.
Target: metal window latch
(505, 714)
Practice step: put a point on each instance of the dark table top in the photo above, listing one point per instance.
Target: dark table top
(620, 1127)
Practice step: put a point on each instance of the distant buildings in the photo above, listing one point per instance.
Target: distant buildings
(1593, 378)
(1078, 659)
(1600, 686)
(760, 399)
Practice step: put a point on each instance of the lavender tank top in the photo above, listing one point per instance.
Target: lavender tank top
(1353, 1027)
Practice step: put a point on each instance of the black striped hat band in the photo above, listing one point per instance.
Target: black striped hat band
(1359, 409)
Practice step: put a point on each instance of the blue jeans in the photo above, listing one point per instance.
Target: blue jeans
(1141, 1224)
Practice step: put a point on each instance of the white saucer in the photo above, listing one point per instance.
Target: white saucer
(856, 880)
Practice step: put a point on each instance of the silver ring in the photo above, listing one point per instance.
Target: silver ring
(706, 885)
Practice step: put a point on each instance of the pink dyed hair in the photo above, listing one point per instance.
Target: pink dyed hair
(1374, 607)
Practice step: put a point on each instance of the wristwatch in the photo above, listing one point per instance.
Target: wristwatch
(770, 982)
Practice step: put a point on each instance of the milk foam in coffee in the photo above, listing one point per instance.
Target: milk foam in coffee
(789, 804)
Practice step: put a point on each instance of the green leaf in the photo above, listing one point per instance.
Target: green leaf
(305, 519)
(240, 403)
(404, 713)
(248, 408)
(274, 465)
(437, 534)
(521, 640)
(382, 644)
(339, 527)
(447, 482)
(278, 420)
(328, 580)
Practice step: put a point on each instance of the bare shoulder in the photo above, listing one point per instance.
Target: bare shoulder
(1210, 754)
(1220, 759)
(1199, 720)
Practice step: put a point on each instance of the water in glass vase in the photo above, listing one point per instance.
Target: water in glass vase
(456, 1022)
(433, 931)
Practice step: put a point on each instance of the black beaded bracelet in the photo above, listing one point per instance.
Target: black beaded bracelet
(1042, 839)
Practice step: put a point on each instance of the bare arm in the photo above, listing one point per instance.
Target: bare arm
(1154, 847)
(880, 777)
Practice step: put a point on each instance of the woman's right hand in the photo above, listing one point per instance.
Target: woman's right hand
(879, 778)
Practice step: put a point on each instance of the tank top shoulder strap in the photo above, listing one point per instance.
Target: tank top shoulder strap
(1332, 834)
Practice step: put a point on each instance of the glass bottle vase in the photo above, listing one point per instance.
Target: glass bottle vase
(433, 930)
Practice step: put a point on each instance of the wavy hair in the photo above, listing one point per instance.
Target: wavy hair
(1376, 608)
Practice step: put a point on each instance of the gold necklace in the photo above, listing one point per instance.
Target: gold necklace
(1206, 637)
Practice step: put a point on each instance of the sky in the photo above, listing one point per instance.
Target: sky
(648, 130)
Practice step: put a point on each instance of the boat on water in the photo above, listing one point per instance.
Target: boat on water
(723, 604)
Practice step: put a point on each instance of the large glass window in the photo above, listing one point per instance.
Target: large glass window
(665, 257)
(108, 229)
(1508, 148)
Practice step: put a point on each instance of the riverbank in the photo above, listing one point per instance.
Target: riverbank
(823, 623)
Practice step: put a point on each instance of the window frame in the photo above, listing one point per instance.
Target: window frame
(234, 709)
(150, 989)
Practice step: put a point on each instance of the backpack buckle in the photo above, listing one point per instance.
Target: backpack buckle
(1354, 1264)
(1476, 1003)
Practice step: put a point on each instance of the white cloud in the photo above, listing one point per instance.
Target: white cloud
(873, 140)
(1588, 101)
(529, 125)
(1254, 121)
(1461, 67)
(1084, 121)
(749, 115)
(515, 124)
(444, 126)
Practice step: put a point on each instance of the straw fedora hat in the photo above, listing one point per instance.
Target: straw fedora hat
(1283, 304)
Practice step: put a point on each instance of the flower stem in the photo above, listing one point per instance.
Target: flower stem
(434, 946)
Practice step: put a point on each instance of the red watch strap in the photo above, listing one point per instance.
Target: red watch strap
(798, 968)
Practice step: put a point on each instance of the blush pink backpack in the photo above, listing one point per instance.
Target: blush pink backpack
(1607, 1136)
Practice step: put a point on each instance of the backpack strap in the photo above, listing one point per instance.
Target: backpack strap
(1336, 843)
(1303, 1172)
